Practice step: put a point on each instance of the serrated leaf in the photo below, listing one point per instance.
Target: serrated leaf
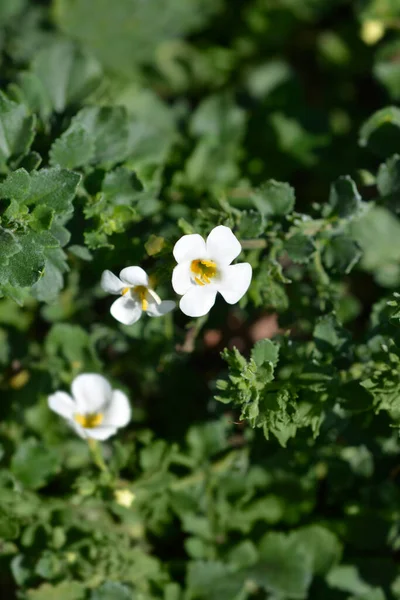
(16, 186)
(274, 198)
(300, 248)
(75, 148)
(16, 130)
(265, 351)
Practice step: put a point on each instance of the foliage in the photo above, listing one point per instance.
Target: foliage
(254, 467)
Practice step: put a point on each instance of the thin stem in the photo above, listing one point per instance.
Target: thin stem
(253, 244)
(97, 456)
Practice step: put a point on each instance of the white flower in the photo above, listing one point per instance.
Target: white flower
(124, 497)
(95, 410)
(136, 296)
(204, 268)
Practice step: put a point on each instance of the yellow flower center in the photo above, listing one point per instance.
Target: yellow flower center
(141, 292)
(89, 420)
(204, 270)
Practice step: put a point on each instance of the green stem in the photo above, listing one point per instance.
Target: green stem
(97, 456)
(253, 244)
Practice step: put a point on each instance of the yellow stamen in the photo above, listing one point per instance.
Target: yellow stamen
(204, 270)
(125, 291)
(89, 420)
(142, 292)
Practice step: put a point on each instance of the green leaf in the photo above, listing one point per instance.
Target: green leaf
(112, 591)
(381, 132)
(347, 579)
(214, 581)
(387, 68)
(16, 186)
(34, 463)
(341, 254)
(345, 199)
(9, 246)
(329, 336)
(17, 129)
(378, 234)
(300, 248)
(265, 351)
(67, 73)
(55, 188)
(9, 528)
(130, 33)
(274, 198)
(105, 132)
(322, 545)
(285, 568)
(66, 590)
(75, 148)
(51, 282)
(25, 267)
(388, 182)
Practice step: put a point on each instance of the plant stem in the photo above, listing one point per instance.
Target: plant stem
(97, 456)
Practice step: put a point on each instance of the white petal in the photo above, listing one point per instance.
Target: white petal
(100, 433)
(111, 283)
(181, 281)
(91, 392)
(62, 404)
(159, 309)
(235, 282)
(78, 429)
(134, 276)
(222, 245)
(126, 310)
(118, 414)
(198, 301)
(190, 247)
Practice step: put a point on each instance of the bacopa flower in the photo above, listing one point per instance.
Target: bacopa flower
(204, 268)
(94, 410)
(136, 295)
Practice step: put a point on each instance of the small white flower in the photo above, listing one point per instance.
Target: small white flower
(204, 268)
(124, 497)
(136, 295)
(95, 410)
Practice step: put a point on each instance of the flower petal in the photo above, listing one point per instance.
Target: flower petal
(190, 247)
(62, 404)
(235, 282)
(134, 276)
(159, 309)
(78, 429)
(92, 393)
(111, 283)
(126, 310)
(100, 433)
(222, 245)
(198, 301)
(181, 280)
(118, 414)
